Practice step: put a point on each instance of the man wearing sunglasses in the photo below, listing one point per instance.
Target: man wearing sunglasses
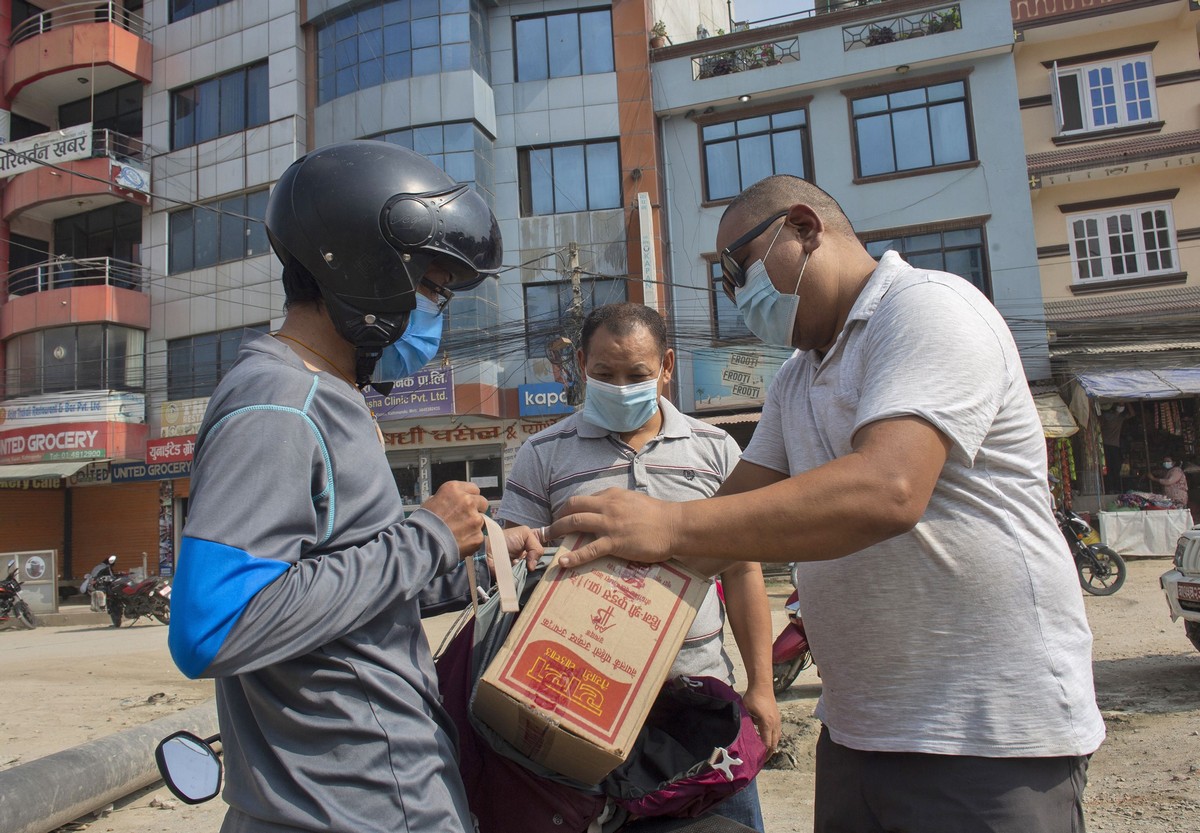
(900, 459)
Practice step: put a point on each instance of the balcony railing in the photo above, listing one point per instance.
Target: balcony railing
(901, 27)
(77, 14)
(64, 273)
(755, 56)
(820, 7)
(116, 145)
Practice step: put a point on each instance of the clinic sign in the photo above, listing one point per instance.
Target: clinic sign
(543, 399)
(426, 393)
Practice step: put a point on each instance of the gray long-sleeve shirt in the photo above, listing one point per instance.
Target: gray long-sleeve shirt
(296, 590)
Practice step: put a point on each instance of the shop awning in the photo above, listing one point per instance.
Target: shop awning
(25, 471)
(1055, 415)
(731, 419)
(1132, 383)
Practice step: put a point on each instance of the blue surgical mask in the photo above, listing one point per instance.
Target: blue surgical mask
(420, 342)
(768, 313)
(620, 408)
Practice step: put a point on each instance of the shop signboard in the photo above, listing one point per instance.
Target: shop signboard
(55, 147)
(429, 392)
(468, 432)
(93, 474)
(542, 399)
(141, 472)
(170, 449)
(113, 406)
(48, 443)
(181, 417)
(733, 377)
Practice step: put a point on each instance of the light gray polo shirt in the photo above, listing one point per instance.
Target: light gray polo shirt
(688, 460)
(967, 634)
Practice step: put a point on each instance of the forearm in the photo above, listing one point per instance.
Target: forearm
(750, 620)
(837, 509)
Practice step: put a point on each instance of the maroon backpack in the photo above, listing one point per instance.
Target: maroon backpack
(698, 747)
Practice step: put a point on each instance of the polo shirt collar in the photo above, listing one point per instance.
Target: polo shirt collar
(674, 425)
(890, 266)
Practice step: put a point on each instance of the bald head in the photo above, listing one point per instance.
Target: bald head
(777, 193)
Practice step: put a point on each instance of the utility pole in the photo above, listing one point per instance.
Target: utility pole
(575, 311)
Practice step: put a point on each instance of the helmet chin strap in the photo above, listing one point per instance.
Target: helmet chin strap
(365, 359)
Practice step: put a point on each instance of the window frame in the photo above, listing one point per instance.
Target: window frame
(517, 20)
(854, 95)
(215, 215)
(29, 377)
(1085, 113)
(207, 93)
(538, 350)
(770, 111)
(189, 8)
(942, 229)
(226, 350)
(1104, 240)
(719, 301)
(525, 185)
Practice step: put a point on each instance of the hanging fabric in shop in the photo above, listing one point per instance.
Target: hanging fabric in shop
(1056, 417)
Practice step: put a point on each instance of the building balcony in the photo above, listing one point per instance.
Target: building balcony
(97, 46)
(70, 291)
(101, 167)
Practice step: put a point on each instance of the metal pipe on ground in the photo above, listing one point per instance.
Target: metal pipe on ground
(49, 792)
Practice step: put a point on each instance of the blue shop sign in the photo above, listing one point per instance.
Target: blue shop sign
(139, 472)
(543, 398)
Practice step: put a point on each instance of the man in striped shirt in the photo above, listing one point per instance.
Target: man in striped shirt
(629, 435)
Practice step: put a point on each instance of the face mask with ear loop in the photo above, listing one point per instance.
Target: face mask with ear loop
(768, 313)
(420, 342)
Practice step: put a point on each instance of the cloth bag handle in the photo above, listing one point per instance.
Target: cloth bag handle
(497, 550)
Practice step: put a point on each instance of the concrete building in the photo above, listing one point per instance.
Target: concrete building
(893, 108)
(542, 106)
(1108, 96)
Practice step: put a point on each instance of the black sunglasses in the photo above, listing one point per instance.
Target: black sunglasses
(733, 276)
(444, 295)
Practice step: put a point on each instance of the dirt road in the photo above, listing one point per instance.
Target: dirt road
(65, 685)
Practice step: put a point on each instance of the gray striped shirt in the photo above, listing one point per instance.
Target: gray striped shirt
(688, 460)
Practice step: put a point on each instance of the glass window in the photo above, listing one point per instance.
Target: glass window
(377, 41)
(1132, 241)
(1104, 95)
(219, 232)
(195, 364)
(727, 321)
(736, 154)
(911, 129)
(219, 106)
(77, 357)
(181, 9)
(566, 178)
(961, 252)
(563, 44)
(548, 306)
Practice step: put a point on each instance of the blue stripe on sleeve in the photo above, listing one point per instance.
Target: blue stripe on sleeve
(212, 585)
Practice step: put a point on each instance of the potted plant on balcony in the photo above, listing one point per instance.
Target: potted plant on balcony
(658, 34)
(880, 34)
(945, 21)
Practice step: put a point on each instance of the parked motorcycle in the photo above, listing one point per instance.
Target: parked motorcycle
(132, 600)
(12, 606)
(1101, 569)
(1182, 585)
(789, 653)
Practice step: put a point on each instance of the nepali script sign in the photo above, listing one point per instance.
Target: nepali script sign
(426, 393)
(55, 147)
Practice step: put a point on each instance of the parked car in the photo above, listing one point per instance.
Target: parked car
(1182, 584)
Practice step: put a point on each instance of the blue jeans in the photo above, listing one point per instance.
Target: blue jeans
(743, 808)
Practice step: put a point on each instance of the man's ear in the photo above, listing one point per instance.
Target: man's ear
(668, 366)
(808, 225)
(581, 361)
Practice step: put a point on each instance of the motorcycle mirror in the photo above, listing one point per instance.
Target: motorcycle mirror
(189, 767)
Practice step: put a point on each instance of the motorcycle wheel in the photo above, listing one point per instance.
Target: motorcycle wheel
(163, 613)
(1103, 573)
(785, 673)
(25, 617)
(114, 612)
(1192, 629)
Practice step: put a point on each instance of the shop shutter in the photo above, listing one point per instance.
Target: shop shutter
(31, 519)
(121, 519)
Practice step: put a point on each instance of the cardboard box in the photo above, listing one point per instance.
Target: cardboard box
(574, 681)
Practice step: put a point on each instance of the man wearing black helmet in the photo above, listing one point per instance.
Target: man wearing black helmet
(298, 579)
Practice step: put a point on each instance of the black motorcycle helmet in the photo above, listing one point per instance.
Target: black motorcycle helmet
(366, 220)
